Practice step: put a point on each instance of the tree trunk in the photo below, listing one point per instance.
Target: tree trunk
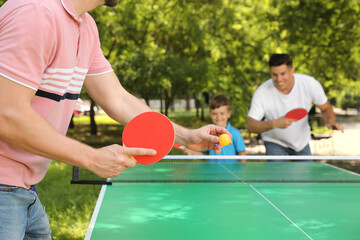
(202, 109)
(197, 106)
(161, 104)
(168, 101)
(72, 125)
(188, 97)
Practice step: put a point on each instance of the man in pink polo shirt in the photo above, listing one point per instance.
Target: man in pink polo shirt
(48, 51)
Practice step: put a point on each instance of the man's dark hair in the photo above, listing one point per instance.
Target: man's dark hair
(280, 59)
(111, 3)
(219, 100)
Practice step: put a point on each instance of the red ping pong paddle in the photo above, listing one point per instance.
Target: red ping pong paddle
(149, 130)
(296, 114)
(177, 145)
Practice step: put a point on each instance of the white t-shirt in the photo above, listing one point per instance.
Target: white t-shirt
(270, 104)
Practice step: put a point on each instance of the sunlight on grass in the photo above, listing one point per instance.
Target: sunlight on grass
(102, 119)
(68, 206)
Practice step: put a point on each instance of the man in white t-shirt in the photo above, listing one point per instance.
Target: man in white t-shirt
(286, 91)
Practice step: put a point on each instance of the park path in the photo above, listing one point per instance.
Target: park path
(347, 143)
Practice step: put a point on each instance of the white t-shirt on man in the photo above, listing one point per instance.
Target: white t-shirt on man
(270, 104)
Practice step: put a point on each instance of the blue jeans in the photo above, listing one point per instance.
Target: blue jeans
(276, 149)
(22, 215)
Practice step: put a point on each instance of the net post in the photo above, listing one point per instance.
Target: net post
(75, 175)
(75, 179)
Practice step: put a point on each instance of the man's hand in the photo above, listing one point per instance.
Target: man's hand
(111, 160)
(283, 122)
(205, 138)
(335, 126)
(255, 126)
(329, 116)
(190, 152)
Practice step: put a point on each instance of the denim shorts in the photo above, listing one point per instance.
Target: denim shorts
(22, 215)
(276, 149)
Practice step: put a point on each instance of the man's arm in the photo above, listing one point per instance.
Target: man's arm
(25, 128)
(120, 105)
(255, 126)
(191, 152)
(329, 116)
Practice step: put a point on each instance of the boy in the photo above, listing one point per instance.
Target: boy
(220, 112)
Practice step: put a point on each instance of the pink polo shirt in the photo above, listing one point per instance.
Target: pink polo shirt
(46, 47)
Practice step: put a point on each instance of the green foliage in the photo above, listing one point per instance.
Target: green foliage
(323, 36)
(350, 96)
(170, 48)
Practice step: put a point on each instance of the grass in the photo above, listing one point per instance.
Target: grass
(70, 206)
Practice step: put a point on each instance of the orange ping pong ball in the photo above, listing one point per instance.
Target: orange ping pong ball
(224, 139)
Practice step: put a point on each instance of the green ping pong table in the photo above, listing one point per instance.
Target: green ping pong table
(252, 200)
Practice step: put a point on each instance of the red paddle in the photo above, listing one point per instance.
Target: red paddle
(177, 145)
(149, 130)
(296, 114)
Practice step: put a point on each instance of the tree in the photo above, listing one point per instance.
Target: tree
(323, 37)
(168, 49)
(173, 48)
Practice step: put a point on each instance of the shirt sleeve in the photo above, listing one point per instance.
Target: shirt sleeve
(318, 93)
(256, 109)
(99, 64)
(238, 142)
(27, 44)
